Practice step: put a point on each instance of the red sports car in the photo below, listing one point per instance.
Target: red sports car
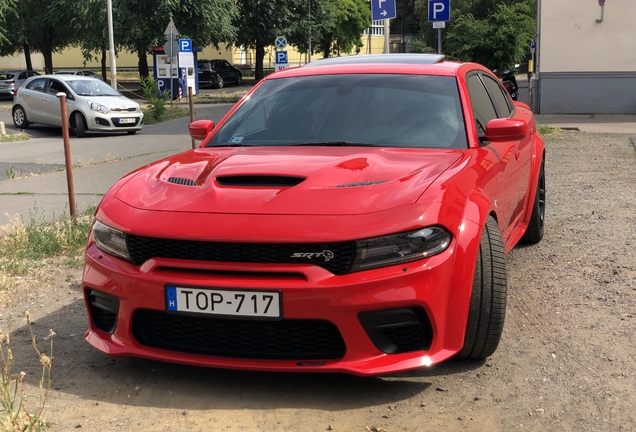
(351, 215)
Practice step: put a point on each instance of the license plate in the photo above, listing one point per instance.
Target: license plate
(255, 304)
(126, 120)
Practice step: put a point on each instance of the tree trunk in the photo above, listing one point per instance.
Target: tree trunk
(104, 64)
(47, 52)
(260, 54)
(142, 63)
(27, 56)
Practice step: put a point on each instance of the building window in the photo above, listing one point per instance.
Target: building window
(376, 29)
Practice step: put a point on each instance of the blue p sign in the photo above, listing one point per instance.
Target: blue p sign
(281, 57)
(438, 10)
(185, 45)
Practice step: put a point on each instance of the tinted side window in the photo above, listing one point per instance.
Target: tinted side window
(37, 84)
(498, 97)
(22, 76)
(483, 109)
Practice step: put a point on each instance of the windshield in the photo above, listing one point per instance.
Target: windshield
(92, 87)
(356, 109)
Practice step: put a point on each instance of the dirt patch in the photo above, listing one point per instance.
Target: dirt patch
(566, 360)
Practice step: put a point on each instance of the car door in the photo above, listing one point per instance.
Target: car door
(520, 165)
(225, 70)
(32, 99)
(501, 153)
(51, 108)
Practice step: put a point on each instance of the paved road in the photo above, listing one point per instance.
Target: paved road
(100, 160)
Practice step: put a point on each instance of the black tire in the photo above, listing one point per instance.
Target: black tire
(488, 298)
(513, 95)
(536, 227)
(239, 79)
(80, 125)
(219, 83)
(131, 132)
(20, 118)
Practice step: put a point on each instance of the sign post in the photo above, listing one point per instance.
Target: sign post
(383, 10)
(439, 14)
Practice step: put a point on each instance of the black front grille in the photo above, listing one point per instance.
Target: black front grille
(280, 340)
(259, 180)
(142, 249)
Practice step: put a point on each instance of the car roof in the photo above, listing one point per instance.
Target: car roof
(414, 59)
(68, 77)
(400, 64)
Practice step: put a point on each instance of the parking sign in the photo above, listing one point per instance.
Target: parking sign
(438, 10)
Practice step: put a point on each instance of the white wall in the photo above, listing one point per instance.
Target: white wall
(572, 40)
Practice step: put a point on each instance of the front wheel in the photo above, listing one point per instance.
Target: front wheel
(488, 298)
(534, 233)
(80, 125)
(19, 118)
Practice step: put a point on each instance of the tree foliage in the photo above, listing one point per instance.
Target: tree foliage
(344, 32)
(260, 22)
(492, 32)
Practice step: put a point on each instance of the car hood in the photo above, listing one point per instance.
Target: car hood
(121, 102)
(286, 180)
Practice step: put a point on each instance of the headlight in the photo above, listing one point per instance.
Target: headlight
(400, 248)
(98, 107)
(110, 240)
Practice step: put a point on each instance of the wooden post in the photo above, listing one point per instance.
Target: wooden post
(67, 154)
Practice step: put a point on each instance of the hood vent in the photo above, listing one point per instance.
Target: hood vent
(362, 183)
(258, 180)
(182, 181)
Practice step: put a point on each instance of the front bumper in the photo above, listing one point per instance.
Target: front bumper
(438, 296)
(115, 122)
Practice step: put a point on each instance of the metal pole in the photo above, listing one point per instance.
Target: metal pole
(386, 36)
(170, 61)
(111, 45)
(67, 154)
(309, 25)
(439, 41)
(191, 105)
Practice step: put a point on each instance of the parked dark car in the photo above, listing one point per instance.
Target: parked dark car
(218, 73)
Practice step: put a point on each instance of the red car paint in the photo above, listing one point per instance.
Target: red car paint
(457, 189)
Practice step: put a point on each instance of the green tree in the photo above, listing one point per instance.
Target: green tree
(45, 26)
(260, 22)
(7, 13)
(141, 23)
(498, 41)
(344, 34)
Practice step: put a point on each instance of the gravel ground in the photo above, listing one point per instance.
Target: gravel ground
(566, 360)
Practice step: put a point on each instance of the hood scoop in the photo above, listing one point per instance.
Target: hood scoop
(182, 181)
(259, 180)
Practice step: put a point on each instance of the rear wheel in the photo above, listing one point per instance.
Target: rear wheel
(534, 233)
(239, 79)
(20, 118)
(219, 82)
(80, 125)
(488, 299)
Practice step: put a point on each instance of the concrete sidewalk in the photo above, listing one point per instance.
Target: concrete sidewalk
(591, 123)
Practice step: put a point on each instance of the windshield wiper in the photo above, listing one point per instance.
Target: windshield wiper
(334, 144)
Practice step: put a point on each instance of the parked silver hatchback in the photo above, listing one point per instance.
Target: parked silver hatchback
(91, 104)
(11, 80)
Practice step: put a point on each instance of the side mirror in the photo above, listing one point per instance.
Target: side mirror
(200, 129)
(506, 129)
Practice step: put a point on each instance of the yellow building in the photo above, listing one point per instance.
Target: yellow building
(71, 57)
